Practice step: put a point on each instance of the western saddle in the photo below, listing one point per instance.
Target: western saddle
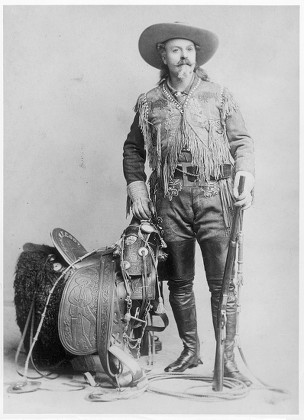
(108, 299)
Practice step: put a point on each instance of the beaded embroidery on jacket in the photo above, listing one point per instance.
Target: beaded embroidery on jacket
(198, 125)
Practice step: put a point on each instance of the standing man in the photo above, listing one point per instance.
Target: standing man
(197, 146)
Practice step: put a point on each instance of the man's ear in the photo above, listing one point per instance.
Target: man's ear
(164, 58)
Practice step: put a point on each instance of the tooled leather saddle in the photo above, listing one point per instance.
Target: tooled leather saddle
(109, 298)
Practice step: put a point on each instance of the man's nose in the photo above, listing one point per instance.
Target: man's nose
(184, 54)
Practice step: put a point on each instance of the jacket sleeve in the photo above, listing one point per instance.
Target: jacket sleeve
(241, 144)
(134, 154)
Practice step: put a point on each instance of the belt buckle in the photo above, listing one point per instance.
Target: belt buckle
(226, 170)
(191, 178)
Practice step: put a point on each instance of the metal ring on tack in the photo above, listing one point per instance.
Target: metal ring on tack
(143, 252)
(126, 265)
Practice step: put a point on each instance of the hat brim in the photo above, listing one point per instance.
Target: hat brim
(162, 32)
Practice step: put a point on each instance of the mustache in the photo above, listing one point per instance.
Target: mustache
(183, 62)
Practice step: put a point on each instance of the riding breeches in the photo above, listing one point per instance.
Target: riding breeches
(192, 215)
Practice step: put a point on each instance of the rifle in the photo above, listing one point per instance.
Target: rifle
(221, 311)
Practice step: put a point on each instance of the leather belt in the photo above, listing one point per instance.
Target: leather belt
(189, 174)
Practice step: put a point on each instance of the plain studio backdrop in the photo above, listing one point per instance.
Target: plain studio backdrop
(72, 75)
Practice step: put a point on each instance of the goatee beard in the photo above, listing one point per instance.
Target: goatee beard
(184, 72)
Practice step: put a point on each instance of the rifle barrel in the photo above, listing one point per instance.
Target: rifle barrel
(218, 376)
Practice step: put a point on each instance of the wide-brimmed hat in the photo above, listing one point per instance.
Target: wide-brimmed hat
(162, 32)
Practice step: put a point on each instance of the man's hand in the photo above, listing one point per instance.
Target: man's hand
(142, 206)
(245, 198)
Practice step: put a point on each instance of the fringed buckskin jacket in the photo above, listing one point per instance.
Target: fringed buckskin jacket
(208, 124)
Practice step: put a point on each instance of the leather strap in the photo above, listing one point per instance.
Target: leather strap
(105, 312)
(165, 320)
(109, 328)
(134, 368)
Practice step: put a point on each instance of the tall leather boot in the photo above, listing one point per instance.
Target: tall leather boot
(184, 311)
(180, 273)
(230, 367)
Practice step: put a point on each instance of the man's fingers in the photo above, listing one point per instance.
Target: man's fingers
(241, 203)
(140, 211)
(245, 203)
(145, 209)
(247, 206)
(242, 196)
(235, 192)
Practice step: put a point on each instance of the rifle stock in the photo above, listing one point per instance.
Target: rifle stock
(218, 376)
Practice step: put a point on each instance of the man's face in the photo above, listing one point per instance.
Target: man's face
(180, 57)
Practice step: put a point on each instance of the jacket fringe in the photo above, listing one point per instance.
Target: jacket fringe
(147, 128)
(208, 157)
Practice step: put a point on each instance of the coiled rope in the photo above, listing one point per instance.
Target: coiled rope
(233, 388)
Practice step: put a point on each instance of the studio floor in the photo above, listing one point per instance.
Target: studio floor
(56, 397)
